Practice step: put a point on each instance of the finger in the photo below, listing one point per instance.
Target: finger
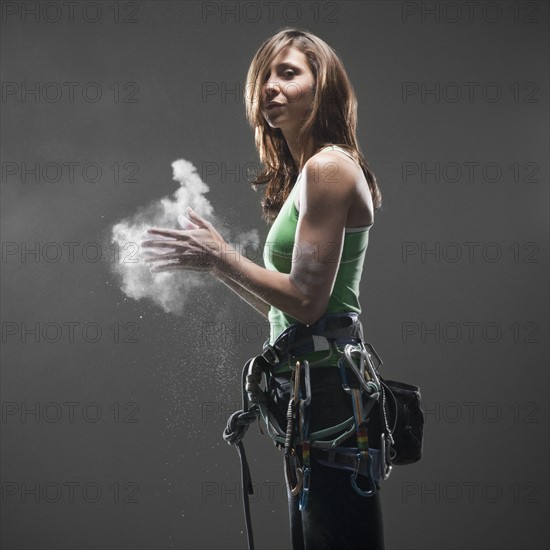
(173, 233)
(186, 223)
(161, 258)
(171, 267)
(150, 252)
(176, 267)
(160, 244)
(194, 216)
(190, 256)
(147, 254)
(148, 236)
(184, 260)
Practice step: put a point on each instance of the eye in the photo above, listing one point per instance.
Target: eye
(289, 72)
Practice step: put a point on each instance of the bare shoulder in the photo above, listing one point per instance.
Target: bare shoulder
(328, 188)
(332, 172)
(334, 184)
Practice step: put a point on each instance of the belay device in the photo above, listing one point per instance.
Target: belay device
(402, 422)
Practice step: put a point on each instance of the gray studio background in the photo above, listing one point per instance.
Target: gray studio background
(124, 449)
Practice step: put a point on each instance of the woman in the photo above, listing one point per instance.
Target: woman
(321, 197)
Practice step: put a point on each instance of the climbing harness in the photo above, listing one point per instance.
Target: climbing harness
(336, 333)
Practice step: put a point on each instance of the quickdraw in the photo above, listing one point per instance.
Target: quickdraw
(298, 422)
(370, 384)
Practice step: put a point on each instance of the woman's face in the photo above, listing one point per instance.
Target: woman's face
(290, 86)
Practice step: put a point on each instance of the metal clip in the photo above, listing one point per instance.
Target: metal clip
(298, 473)
(373, 352)
(369, 387)
(385, 463)
(370, 478)
(371, 368)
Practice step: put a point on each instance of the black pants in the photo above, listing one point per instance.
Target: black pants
(335, 517)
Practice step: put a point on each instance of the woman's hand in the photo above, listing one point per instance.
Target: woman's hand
(198, 247)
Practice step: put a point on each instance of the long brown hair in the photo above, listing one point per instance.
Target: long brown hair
(333, 117)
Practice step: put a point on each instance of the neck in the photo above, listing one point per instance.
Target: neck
(291, 138)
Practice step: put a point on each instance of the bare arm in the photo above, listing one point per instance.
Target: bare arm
(251, 299)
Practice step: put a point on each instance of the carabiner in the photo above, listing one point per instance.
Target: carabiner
(367, 386)
(385, 457)
(370, 478)
(371, 368)
(298, 473)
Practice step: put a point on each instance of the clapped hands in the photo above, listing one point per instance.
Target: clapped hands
(197, 247)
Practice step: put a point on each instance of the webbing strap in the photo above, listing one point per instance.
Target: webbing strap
(237, 426)
(246, 483)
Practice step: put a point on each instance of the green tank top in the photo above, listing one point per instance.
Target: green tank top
(277, 256)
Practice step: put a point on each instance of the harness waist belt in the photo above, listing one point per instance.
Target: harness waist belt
(299, 339)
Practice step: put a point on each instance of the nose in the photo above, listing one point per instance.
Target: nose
(270, 90)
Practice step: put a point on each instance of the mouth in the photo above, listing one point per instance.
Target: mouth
(273, 105)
